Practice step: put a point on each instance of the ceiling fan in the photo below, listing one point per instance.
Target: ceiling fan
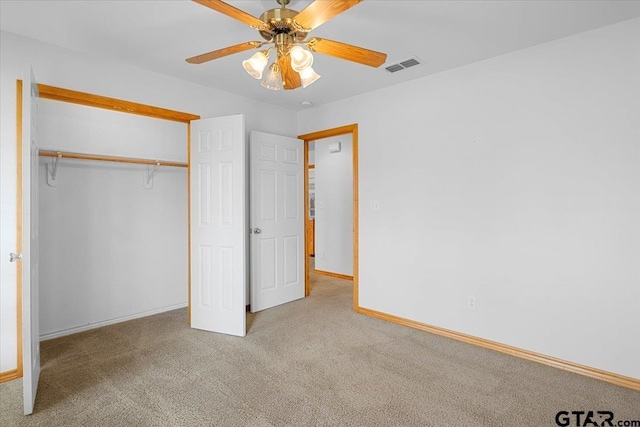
(287, 30)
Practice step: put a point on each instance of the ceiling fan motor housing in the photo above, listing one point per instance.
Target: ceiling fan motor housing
(280, 21)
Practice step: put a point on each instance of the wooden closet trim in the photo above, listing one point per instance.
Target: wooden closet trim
(98, 101)
(18, 373)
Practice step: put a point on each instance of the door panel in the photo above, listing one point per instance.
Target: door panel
(267, 195)
(291, 257)
(277, 249)
(30, 242)
(218, 227)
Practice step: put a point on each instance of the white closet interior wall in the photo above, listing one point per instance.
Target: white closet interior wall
(111, 250)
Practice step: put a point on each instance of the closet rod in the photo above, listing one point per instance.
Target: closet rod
(47, 153)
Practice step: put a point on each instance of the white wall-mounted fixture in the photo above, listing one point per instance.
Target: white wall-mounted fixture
(53, 173)
(151, 173)
(335, 147)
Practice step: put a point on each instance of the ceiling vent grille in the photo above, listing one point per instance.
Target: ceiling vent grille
(402, 65)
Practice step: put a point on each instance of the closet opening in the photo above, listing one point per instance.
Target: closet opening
(112, 172)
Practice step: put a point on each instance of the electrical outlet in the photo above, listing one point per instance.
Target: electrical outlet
(375, 205)
(471, 303)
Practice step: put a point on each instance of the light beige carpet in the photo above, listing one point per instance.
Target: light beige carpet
(311, 362)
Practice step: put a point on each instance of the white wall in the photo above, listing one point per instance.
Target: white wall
(515, 180)
(95, 74)
(334, 206)
(110, 248)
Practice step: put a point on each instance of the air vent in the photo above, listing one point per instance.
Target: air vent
(403, 65)
(410, 63)
(393, 68)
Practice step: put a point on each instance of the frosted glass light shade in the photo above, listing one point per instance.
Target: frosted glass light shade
(272, 81)
(308, 76)
(300, 58)
(255, 65)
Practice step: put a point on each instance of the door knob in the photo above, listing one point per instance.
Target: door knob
(257, 231)
(14, 257)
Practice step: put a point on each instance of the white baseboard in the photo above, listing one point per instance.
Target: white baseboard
(89, 326)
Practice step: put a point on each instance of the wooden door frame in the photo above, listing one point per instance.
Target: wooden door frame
(97, 101)
(327, 133)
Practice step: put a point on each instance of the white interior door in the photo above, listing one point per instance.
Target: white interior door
(30, 307)
(218, 225)
(277, 220)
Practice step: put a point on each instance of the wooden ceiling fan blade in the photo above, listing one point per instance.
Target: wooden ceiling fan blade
(233, 12)
(320, 11)
(347, 51)
(290, 77)
(230, 50)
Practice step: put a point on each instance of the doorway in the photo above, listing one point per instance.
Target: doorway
(351, 130)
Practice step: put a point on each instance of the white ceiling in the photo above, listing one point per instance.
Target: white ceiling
(159, 35)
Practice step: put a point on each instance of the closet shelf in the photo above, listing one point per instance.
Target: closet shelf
(65, 155)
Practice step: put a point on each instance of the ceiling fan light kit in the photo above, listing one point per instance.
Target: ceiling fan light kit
(287, 30)
(308, 76)
(256, 64)
(300, 59)
(272, 81)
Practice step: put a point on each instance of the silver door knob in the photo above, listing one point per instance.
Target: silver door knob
(14, 257)
(257, 231)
